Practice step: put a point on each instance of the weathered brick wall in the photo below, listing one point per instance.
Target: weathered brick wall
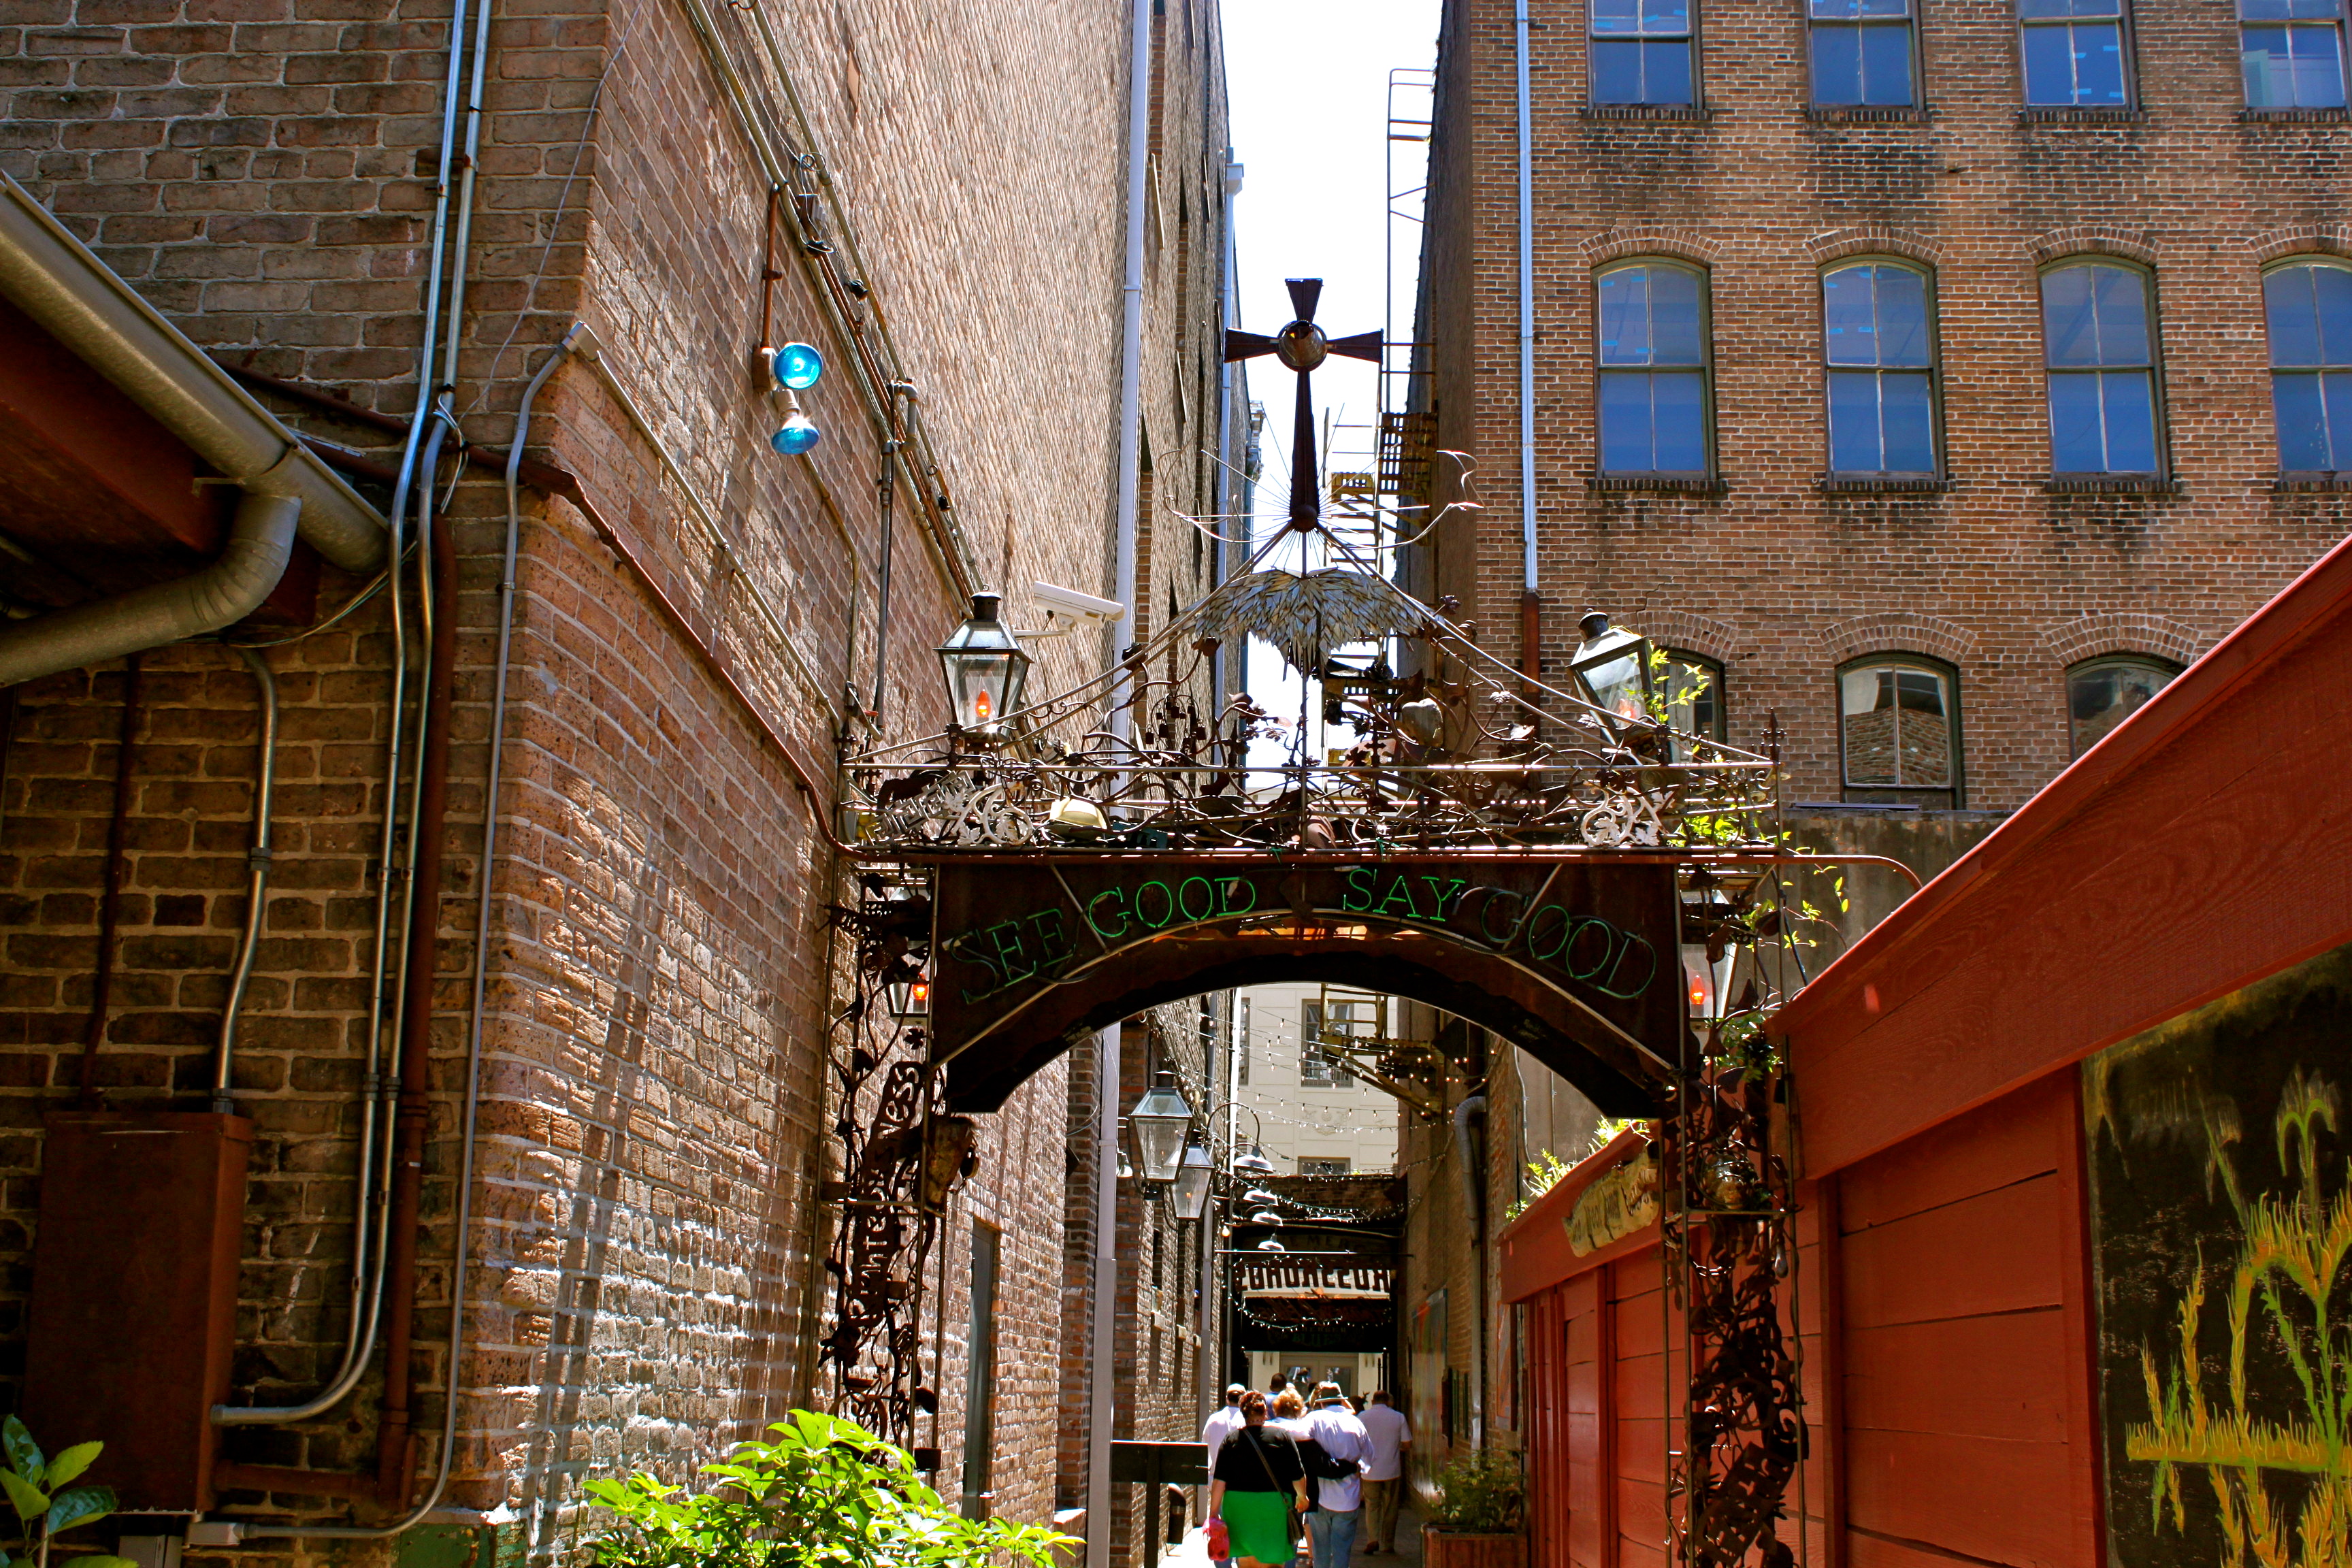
(654, 1114)
(1774, 576)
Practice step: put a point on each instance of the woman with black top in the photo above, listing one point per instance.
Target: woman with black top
(1257, 1483)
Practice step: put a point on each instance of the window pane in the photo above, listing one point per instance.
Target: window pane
(2289, 10)
(1850, 316)
(2040, 10)
(2337, 396)
(1616, 72)
(2292, 67)
(1886, 64)
(1837, 65)
(1625, 314)
(2292, 309)
(1907, 422)
(2049, 67)
(1867, 697)
(2076, 438)
(1616, 16)
(2098, 63)
(1679, 399)
(1626, 436)
(2094, 315)
(1902, 317)
(1674, 316)
(1666, 72)
(1857, 10)
(1666, 17)
(2130, 414)
(1855, 441)
(2100, 696)
(2302, 415)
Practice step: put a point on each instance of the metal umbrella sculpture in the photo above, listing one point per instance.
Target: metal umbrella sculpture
(1302, 347)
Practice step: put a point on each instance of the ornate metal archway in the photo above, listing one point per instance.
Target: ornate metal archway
(1507, 851)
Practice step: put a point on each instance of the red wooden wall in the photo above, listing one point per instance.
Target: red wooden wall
(1945, 1342)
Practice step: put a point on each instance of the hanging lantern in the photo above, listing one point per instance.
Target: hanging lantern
(1160, 1120)
(1193, 1182)
(909, 999)
(984, 667)
(1613, 668)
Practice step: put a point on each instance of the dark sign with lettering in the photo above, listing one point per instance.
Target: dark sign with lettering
(1574, 958)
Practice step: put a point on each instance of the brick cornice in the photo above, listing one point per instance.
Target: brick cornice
(2120, 631)
(2091, 239)
(1617, 244)
(1872, 239)
(1897, 631)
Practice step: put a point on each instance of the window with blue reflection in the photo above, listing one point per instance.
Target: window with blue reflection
(2100, 357)
(2292, 53)
(1652, 364)
(2073, 53)
(1642, 52)
(1861, 53)
(1880, 352)
(2309, 307)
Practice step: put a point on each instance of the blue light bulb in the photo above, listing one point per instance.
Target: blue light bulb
(798, 365)
(799, 435)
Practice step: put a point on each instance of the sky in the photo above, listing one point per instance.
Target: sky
(1309, 85)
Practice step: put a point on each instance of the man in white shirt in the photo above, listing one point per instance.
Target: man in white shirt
(1223, 1423)
(1389, 1435)
(1338, 1504)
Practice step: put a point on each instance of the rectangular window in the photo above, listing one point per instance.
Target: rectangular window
(1642, 52)
(2292, 53)
(2101, 360)
(1332, 1167)
(1319, 1022)
(1653, 355)
(1897, 732)
(2073, 53)
(1861, 53)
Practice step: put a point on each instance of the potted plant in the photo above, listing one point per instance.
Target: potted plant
(1475, 1517)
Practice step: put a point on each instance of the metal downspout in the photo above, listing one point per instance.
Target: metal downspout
(1530, 613)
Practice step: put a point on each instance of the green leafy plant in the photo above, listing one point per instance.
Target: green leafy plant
(1481, 1493)
(825, 1494)
(1544, 1172)
(47, 1502)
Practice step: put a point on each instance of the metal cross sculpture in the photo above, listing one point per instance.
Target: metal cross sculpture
(1301, 346)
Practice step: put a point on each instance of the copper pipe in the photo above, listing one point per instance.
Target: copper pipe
(1531, 634)
(395, 1457)
(109, 905)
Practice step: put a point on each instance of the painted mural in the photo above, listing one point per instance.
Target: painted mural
(2220, 1197)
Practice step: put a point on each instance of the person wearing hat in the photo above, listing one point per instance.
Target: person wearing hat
(1339, 1490)
(1222, 1424)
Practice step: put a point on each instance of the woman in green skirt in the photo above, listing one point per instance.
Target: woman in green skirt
(1258, 1483)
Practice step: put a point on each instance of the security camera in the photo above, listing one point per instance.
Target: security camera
(1078, 606)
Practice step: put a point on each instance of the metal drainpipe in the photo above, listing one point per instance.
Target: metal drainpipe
(1529, 612)
(1103, 1284)
(1473, 1200)
(265, 788)
(101, 994)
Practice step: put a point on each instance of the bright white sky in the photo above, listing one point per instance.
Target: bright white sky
(1308, 82)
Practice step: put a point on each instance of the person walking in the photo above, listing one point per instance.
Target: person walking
(1389, 1435)
(1333, 1429)
(1290, 1415)
(1256, 1485)
(1223, 1423)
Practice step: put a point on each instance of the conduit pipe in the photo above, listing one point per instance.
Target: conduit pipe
(374, 1220)
(265, 789)
(1103, 1285)
(1473, 1200)
(1530, 621)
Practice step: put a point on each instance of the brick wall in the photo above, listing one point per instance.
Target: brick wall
(655, 1113)
(2007, 582)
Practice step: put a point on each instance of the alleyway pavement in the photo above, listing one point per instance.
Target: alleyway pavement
(1193, 1551)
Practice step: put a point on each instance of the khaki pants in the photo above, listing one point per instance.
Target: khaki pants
(1380, 1513)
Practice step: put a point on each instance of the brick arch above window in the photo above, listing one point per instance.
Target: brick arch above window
(1897, 631)
(1618, 244)
(1873, 239)
(2091, 239)
(1689, 632)
(2300, 239)
(2123, 631)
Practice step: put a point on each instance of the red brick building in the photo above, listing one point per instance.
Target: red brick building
(932, 198)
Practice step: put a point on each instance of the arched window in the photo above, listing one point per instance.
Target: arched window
(1879, 347)
(2099, 346)
(1694, 694)
(2292, 53)
(1899, 730)
(2309, 307)
(2101, 693)
(1861, 53)
(1652, 363)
